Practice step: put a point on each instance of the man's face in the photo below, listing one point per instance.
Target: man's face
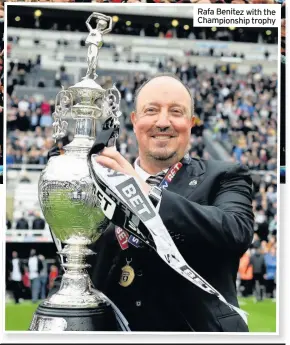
(163, 120)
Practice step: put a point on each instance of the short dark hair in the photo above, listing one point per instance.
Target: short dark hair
(163, 74)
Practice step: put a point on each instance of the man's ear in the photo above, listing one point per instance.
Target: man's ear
(133, 117)
(193, 120)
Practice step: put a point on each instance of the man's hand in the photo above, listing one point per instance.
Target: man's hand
(110, 158)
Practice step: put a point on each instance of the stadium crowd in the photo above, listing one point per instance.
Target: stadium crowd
(241, 112)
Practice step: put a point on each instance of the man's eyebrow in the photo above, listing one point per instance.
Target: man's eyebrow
(178, 105)
(174, 104)
(150, 104)
(153, 103)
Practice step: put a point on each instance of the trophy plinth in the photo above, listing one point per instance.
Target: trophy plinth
(101, 318)
(76, 306)
(69, 203)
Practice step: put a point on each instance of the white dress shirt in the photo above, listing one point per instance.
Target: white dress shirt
(142, 173)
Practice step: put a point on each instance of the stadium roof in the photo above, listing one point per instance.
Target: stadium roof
(131, 9)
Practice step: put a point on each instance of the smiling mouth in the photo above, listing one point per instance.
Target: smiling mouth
(162, 137)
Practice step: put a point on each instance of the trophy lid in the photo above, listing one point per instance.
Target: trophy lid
(88, 84)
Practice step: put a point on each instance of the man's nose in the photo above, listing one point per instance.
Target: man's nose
(163, 119)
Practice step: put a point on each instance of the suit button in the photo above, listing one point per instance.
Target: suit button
(138, 303)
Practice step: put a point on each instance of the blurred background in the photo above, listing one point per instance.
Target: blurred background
(232, 74)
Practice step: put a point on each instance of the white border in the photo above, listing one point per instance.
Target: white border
(284, 213)
(120, 337)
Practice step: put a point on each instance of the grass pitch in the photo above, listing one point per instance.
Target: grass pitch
(262, 315)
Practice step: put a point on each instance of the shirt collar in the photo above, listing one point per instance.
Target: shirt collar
(142, 173)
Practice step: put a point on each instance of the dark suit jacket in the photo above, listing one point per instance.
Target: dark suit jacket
(211, 222)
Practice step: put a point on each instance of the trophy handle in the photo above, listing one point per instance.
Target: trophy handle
(63, 109)
(111, 103)
(111, 110)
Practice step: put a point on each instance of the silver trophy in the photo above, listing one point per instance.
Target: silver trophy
(68, 197)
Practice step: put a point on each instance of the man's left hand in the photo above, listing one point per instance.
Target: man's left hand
(112, 159)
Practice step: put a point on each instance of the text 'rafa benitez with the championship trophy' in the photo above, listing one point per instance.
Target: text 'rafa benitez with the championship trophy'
(167, 232)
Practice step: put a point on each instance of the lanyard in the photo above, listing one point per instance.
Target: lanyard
(171, 173)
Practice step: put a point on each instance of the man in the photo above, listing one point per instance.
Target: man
(38, 222)
(257, 261)
(34, 267)
(246, 274)
(22, 223)
(271, 268)
(206, 209)
(16, 271)
(43, 276)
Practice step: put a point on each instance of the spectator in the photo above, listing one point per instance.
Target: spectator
(246, 274)
(52, 275)
(43, 277)
(258, 262)
(16, 271)
(270, 276)
(8, 223)
(22, 223)
(38, 222)
(256, 243)
(26, 284)
(34, 266)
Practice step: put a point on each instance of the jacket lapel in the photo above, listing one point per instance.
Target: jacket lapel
(189, 178)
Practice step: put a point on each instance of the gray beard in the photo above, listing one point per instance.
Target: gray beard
(162, 158)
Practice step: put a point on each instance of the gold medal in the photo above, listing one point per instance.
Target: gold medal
(127, 275)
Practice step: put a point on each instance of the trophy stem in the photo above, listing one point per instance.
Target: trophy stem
(76, 288)
(76, 258)
(85, 127)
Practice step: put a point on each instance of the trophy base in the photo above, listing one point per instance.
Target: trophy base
(100, 318)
